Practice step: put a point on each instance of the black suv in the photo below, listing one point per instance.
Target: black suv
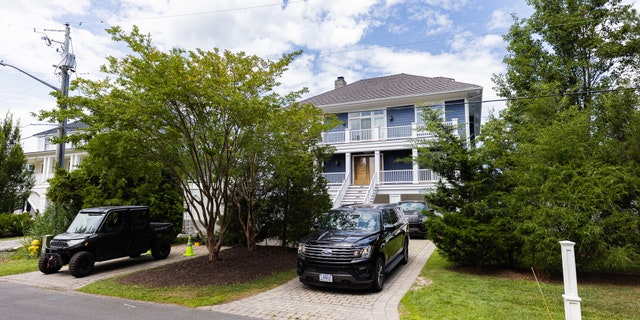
(354, 245)
(414, 211)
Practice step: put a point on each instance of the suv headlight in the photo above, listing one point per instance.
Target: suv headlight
(301, 249)
(363, 252)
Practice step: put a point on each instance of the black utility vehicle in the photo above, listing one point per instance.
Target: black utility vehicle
(104, 233)
(354, 246)
(414, 211)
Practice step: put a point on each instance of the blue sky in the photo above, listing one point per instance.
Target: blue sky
(356, 39)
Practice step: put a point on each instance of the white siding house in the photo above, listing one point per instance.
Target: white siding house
(381, 117)
(43, 163)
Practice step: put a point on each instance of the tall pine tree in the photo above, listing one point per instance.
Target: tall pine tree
(16, 180)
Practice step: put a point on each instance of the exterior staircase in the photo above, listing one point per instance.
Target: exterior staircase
(355, 194)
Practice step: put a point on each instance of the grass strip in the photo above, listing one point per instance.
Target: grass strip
(457, 295)
(189, 296)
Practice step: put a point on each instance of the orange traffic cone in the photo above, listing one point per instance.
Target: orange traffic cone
(189, 251)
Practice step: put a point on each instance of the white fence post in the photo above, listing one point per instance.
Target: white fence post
(571, 299)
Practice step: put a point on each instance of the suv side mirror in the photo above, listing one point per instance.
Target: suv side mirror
(388, 227)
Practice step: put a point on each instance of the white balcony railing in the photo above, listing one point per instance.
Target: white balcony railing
(334, 178)
(391, 177)
(378, 134)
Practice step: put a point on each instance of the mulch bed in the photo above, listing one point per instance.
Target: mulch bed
(236, 265)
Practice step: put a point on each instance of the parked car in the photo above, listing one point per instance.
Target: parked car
(414, 211)
(104, 233)
(354, 246)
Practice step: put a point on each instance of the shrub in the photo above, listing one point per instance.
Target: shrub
(14, 224)
(55, 220)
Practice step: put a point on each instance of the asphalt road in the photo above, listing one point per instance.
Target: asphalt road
(24, 302)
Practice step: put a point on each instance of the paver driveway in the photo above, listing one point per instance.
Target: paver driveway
(294, 300)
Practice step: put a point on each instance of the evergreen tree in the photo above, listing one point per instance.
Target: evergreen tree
(16, 180)
(573, 71)
(562, 161)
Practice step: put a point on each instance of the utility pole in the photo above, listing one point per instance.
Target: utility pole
(67, 65)
(68, 61)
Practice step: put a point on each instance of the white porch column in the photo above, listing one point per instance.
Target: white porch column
(46, 168)
(376, 159)
(347, 167)
(73, 162)
(571, 299)
(416, 168)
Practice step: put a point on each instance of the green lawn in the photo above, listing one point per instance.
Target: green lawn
(186, 295)
(454, 295)
(17, 262)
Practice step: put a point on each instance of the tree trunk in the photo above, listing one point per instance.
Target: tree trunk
(212, 246)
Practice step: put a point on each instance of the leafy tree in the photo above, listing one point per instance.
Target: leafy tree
(285, 152)
(118, 173)
(572, 152)
(297, 191)
(16, 180)
(197, 113)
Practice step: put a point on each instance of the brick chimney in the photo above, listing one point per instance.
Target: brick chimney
(340, 82)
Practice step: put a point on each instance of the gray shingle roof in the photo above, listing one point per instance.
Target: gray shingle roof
(399, 85)
(70, 127)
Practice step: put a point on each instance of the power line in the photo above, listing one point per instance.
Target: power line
(561, 94)
(217, 11)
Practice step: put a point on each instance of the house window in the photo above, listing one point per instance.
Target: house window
(47, 143)
(362, 122)
(419, 118)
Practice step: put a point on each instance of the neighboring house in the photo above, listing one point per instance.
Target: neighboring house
(43, 162)
(381, 117)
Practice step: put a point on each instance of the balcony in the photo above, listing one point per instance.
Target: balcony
(379, 134)
(388, 177)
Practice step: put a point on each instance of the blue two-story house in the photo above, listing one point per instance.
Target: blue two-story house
(381, 118)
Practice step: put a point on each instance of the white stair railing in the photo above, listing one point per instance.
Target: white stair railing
(343, 189)
(372, 187)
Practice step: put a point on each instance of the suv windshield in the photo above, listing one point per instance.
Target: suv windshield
(351, 220)
(85, 222)
(413, 206)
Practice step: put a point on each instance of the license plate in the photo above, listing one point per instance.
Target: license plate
(326, 277)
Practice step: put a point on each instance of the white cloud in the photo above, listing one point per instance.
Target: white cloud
(500, 19)
(330, 31)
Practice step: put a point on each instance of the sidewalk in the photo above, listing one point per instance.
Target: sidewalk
(12, 244)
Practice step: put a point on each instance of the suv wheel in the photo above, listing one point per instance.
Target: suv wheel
(405, 252)
(161, 249)
(46, 266)
(378, 276)
(81, 264)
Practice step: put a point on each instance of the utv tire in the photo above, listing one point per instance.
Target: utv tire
(405, 252)
(378, 276)
(81, 264)
(46, 267)
(161, 249)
